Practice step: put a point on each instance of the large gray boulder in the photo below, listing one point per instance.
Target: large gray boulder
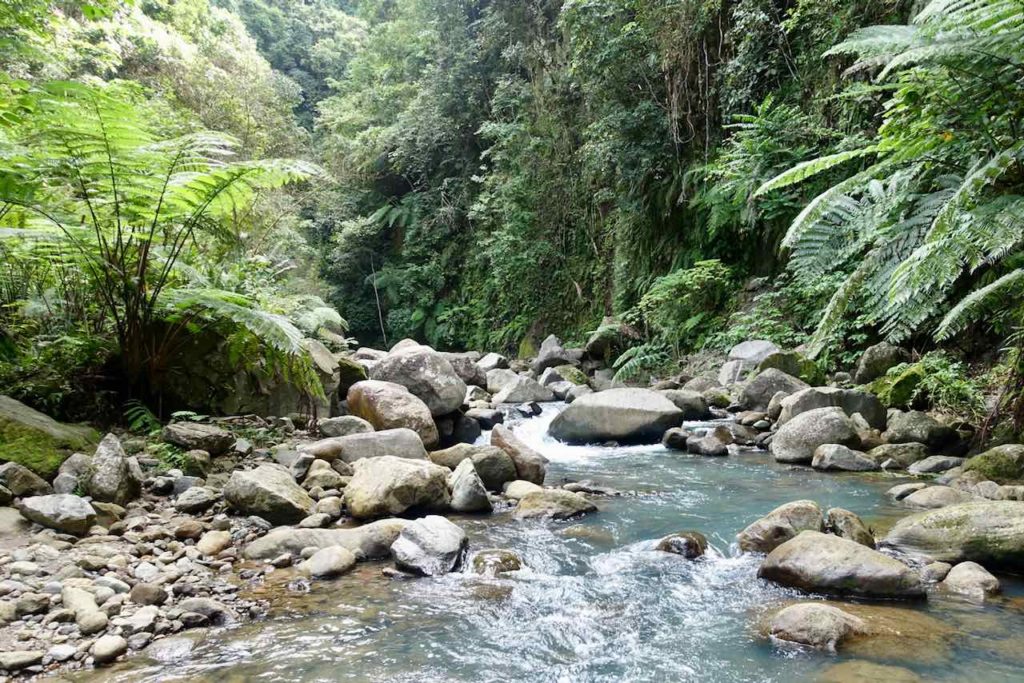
(499, 378)
(430, 546)
(21, 481)
(758, 392)
(798, 439)
(387, 405)
(530, 465)
(369, 541)
(933, 497)
(814, 624)
(692, 403)
(551, 354)
(523, 389)
(343, 425)
(780, 525)
(388, 486)
(877, 360)
(493, 464)
(466, 367)
(73, 474)
(917, 427)
(198, 436)
(850, 401)
(832, 456)
(823, 563)
(468, 491)
(492, 361)
(753, 351)
(61, 511)
(990, 533)
(401, 443)
(426, 373)
(268, 492)
(116, 477)
(623, 415)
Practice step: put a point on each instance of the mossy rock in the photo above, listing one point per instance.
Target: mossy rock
(37, 441)
(527, 348)
(350, 372)
(1002, 464)
(572, 374)
(795, 365)
(896, 390)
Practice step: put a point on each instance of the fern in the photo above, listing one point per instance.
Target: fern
(638, 360)
(140, 419)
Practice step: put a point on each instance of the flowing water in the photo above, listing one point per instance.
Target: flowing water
(597, 602)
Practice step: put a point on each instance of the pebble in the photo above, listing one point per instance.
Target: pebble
(108, 648)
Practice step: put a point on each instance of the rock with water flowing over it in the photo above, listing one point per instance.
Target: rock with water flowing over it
(21, 481)
(933, 497)
(430, 546)
(61, 511)
(387, 486)
(758, 392)
(343, 425)
(387, 405)
(369, 541)
(972, 581)
(990, 533)
(116, 477)
(846, 524)
(797, 440)
(197, 435)
(495, 561)
(523, 389)
(530, 465)
(850, 401)
(329, 562)
(833, 456)
(819, 562)
(689, 544)
(425, 373)
(814, 624)
(918, 427)
(468, 491)
(400, 443)
(622, 415)
(553, 504)
(780, 525)
(268, 492)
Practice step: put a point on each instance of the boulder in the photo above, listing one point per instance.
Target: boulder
(268, 492)
(846, 524)
(530, 465)
(197, 435)
(563, 373)
(64, 512)
(836, 457)
(819, 562)
(401, 443)
(675, 439)
(898, 456)
(551, 354)
(713, 443)
(430, 546)
(815, 625)
(735, 372)
(492, 361)
(494, 561)
(552, 504)
(689, 544)
(493, 464)
(622, 415)
(487, 418)
(116, 477)
(21, 481)
(196, 499)
(329, 562)
(476, 394)
(369, 541)
(850, 401)
(936, 497)
(862, 671)
(37, 441)
(901, 491)
(523, 389)
(972, 581)
(387, 486)
(934, 464)
(425, 373)
(350, 371)
(457, 428)
(465, 366)
(917, 427)
(343, 425)
(1002, 464)
(73, 474)
(514, 490)
(780, 525)
(387, 405)
(990, 533)
(758, 392)
(691, 403)
(878, 360)
(468, 491)
(753, 351)
(108, 648)
(497, 379)
(322, 475)
(794, 364)
(798, 439)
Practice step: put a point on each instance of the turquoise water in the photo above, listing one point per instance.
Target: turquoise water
(597, 603)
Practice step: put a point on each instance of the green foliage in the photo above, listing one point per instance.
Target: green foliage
(140, 419)
(935, 382)
(638, 361)
(168, 456)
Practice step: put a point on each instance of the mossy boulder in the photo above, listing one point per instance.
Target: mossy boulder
(572, 374)
(37, 441)
(1002, 464)
(794, 364)
(896, 389)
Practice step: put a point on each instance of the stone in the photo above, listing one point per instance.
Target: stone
(466, 367)
(268, 492)
(622, 415)
(758, 392)
(369, 541)
(108, 648)
(430, 546)
(878, 360)
(714, 443)
(387, 405)
(401, 443)
(215, 612)
(846, 524)
(61, 511)
(477, 394)
(689, 544)
(148, 594)
(990, 533)
(198, 436)
(798, 439)
(691, 403)
(814, 624)
(819, 562)
(780, 525)
(577, 392)
(514, 490)
(1002, 464)
(901, 491)
(468, 491)
(917, 427)
(552, 504)
(387, 486)
(172, 649)
(676, 439)
(898, 456)
(317, 520)
(935, 464)
(196, 499)
(794, 364)
(836, 457)
(36, 441)
(61, 652)
(329, 562)
(213, 542)
(735, 372)
(116, 477)
(972, 581)
(21, 481)
(73, 474)
(530, 465)
(457, 428)
(493, 464)
(933, 572)
(551, 354)
(498, 379)
(343, 425)
(13, 660)
(487, 418)
(492, 361)
(753, 351)
(425, 373)
(495, 562)
(196, 463)
(936, 497)
(523, 389)
(850, 401)
(860, 671)
(323, 475)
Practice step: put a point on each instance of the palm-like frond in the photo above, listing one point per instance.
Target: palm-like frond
(972, 306)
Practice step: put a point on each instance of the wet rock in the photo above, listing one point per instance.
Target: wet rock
(530, 465)
(552, 504)
(400, 443)
(859, 671)
(877, 360)
(797, 440)
(268, 492)
(819, 562)
(515, 490)
(675, 439)
(780, 525)
(61, 511)
(329, 562)
(116, 477)
(494, 562)
(386, 486)
(689, 544)
(935, 464)
(917, 427)
(901, 491)
(621, 415)
(369, 541)
(343, 425)
(836, 457)
(21, 481)
(758, 392)
(487, 418)
(468, 491)
(425, 373)
(846, 524)
(171, 649)
(714, 444)
(196, 499)
(387, 405)
(898, 456)
(430, 546)
(815, 625)
(936, 497)
(933, 572)
(493, 464)
(972, 581)
(196, 435)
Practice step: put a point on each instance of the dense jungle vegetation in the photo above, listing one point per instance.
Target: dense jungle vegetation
(480, 173)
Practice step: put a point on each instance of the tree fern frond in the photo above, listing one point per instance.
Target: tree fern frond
(972, 306)
(811, 168)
